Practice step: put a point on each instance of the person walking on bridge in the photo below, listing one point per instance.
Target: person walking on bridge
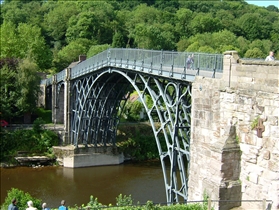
(270, 57)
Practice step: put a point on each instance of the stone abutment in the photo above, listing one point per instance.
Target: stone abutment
(235, 135)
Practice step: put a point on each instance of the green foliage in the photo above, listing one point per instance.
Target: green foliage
(118, 40)
(96, 49)
(45, 115)
(8, 91)
(254, 53)
(71, 52)
(28, 84)
(24, 41)
(36, 140)
(93, 203)
(132, 109)
(22, 199)
(137, 141)
(123, 203)
(255, 122)
(19, 87)
(124, 200)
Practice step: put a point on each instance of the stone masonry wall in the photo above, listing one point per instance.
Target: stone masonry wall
(229, 159)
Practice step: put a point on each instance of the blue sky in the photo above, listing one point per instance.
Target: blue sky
(264, 3)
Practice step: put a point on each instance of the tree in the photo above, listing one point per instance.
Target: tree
(24, 41)
(242, 44)
(182, 44)
(8, 89)
(184, 17)
(19, 87)
(93, 23)
(118, 40)
(56, 20)
(254, 53)
(96, 49)
(204, 22)
(254, 26)
(9, 40)
(264, 45)
(27, 83)
(222, 39)
(70, 53)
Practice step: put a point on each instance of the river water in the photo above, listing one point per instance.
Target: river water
(143, 181)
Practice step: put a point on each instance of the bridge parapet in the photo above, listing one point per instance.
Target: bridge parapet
(166, 63)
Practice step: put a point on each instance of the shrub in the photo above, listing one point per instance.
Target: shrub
(45, 115)
(124, 200)
(22, 199)
(36, 140)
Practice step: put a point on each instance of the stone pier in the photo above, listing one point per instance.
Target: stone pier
(72, 157)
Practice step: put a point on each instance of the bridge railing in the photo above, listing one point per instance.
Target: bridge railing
(154, 60)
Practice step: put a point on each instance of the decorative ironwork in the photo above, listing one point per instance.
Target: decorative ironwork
(95, 111)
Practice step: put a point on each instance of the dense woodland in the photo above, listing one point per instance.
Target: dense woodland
(48, 35)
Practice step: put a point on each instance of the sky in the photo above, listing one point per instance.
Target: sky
(264, 3)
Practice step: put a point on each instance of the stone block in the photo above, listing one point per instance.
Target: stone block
(229, 191)
(253, 178)
(273, 120)
(266, 154)
(273, 165)
(274, 131)
(250, 139)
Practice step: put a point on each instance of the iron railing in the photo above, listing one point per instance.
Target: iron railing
(164, 63)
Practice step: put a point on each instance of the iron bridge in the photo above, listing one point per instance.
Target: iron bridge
(100, 86)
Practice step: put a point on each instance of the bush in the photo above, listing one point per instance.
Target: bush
(36, 140)
(45, 115)
(124, 200)
(22, 199)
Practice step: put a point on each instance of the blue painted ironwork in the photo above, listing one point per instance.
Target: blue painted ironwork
(100, 87)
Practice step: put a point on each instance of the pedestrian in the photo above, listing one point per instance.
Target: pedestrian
(44, 207)
(13, 206)
(270, 57)
(63, 207)
(190, 61)
(30, 206)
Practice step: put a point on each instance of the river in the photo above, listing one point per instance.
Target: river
(143, 181)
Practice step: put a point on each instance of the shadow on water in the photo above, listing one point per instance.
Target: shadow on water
(143, 181)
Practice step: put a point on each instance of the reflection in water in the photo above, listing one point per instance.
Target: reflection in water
(52, 184)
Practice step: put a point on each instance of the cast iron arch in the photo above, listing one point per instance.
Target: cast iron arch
(96, 101)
